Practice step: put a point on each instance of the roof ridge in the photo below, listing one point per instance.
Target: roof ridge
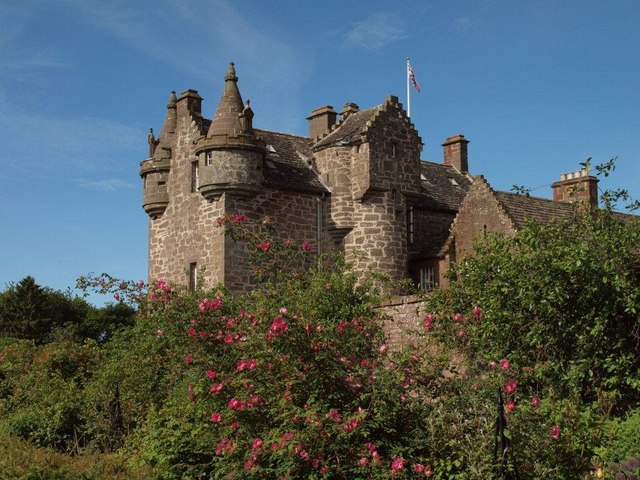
(514, 194)
(283, 133)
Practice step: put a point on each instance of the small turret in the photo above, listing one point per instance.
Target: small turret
(155, 169)
(230, 156)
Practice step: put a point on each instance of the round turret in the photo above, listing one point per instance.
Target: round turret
(155, 169)
(230, 156)
(155, 197)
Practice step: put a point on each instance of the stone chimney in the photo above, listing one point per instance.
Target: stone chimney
(348, 109)
(321, 120)
(576, 187)
(455, 152)
(190, 103)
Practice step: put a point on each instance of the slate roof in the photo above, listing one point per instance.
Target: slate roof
(291, 172)
(353, 125)
(521, 209)
(443, 187)
(287, 167)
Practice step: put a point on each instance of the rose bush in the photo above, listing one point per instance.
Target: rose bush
(298, 380)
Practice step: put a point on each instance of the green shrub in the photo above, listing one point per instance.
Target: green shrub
(43, 396)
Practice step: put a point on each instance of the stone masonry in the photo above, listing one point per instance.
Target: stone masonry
(356, 185)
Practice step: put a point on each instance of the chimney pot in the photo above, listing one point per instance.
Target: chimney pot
(348, 109)
(576, 186)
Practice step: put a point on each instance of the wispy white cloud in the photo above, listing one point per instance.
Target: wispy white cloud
(199, 37)
(58, 142)
(19, 59)
(195, 36)
(462, 24)
(375, 32)
(106, 185)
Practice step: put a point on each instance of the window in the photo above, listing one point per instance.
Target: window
(428, 279)
(193, 276)
(209, 159)
(195, 176)
(393, 150)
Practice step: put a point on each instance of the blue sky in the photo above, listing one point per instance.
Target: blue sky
(536, 86)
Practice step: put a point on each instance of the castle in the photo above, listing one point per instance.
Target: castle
(356, 184)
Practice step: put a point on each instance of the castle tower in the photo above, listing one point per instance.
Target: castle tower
(230, 157)
(371, 163)
(155, 169)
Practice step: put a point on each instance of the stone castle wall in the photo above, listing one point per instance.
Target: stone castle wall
(378, 239)
(186, 232)
(294, 217)
(335, 166)
(402, 316)
(486, 216)
(394, 158)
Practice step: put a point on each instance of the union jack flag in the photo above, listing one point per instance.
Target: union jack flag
(412, 76)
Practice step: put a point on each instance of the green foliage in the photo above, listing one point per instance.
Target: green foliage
(42, 396)
(562, 300)
(21, 460)
(620, 450)
(32, 312)
(296, 380)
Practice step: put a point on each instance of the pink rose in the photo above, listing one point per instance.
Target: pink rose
(510, 386)
(257, 443)
(397, 464)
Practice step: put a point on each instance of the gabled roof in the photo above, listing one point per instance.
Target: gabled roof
(521, 208)
(443, 187)
(354, 125)
(288, 162)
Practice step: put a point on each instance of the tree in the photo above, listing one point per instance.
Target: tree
(23, 310)
(30, 311)
(562, 300)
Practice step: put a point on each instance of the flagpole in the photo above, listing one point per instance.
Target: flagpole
(408, 91)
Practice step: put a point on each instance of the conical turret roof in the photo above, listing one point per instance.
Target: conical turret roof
(227, 118)
(232, 125)
(162, 147)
